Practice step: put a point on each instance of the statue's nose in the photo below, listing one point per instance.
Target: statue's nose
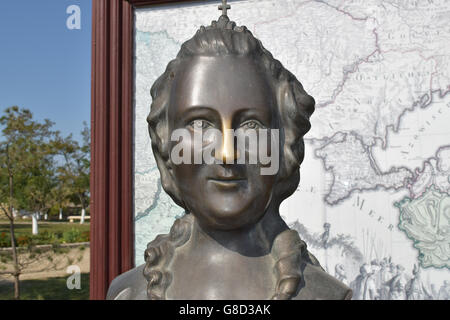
(227, 152)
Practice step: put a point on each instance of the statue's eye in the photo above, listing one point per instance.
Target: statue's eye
(199, 124)
(251, 124)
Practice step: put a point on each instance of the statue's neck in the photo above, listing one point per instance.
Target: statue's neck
(252, 241)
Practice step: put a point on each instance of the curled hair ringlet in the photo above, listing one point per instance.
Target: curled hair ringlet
(295, 108)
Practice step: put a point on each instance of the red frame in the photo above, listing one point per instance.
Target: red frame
(112, 229)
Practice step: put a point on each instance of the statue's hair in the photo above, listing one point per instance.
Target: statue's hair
(159, 254)
(295, 107)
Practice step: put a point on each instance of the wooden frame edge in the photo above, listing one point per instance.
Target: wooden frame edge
(112, 250)
(112, 110)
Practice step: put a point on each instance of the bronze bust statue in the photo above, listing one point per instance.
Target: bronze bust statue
(232, 242)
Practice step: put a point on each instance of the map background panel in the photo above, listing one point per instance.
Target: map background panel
(379, 72)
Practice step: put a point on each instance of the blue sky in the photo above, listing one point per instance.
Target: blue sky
(44, 66)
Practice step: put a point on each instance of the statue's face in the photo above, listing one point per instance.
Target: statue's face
(222, 93)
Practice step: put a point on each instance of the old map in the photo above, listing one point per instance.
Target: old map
(375, 183)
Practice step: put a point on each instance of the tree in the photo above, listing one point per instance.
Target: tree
(25, 166)
(75, 171)
(41, 179)
(61, 192)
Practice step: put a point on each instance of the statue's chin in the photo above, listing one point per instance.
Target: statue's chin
(227, 214)
(227, 221)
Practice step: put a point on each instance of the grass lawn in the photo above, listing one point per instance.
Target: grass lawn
(49, 233)
(47, 289)
(24, 228)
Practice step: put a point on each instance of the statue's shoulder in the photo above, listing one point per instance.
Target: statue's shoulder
(319, 285)
(130, 285)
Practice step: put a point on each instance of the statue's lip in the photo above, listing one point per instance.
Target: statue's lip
(227, 183)
(227, 179)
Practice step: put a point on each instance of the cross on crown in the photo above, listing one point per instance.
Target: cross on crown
(224, 7)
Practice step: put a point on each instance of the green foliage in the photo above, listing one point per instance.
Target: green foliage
(42, 170)
(32, 177)
(51, 233)
(71, 236)
(47, 289)
(74, 174)
(75, 235)
(24, 241)
(5, 240)
(26, 160)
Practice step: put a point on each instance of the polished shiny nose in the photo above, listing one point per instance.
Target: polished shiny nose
(227, 151)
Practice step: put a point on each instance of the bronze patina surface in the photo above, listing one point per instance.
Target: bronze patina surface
(232, 242)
